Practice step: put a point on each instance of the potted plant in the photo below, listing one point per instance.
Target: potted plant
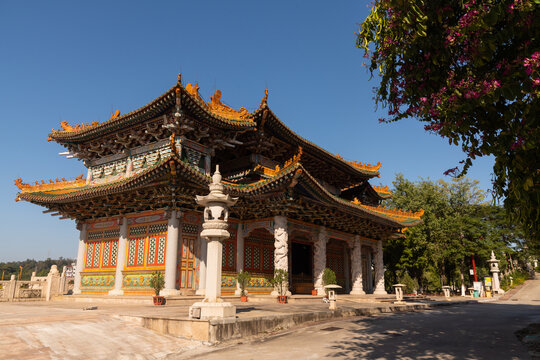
(279, 281)
(243, 278)
(157, 282)
(328, 278)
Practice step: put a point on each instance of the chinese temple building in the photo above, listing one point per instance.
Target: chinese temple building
(300, 208)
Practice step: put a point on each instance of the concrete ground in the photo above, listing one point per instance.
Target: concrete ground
(474, 331)
(63, 330)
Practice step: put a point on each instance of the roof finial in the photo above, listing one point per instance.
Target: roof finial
(265, 98)
(179, 78)
(216, 178)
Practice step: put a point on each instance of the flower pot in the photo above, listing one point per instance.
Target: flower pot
(159, 300)
(282, 299)
(243, 298)
(314, 292)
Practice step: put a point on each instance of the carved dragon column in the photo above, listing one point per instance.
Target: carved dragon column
(281, 247)
(320, 259)
(379, 270)
(356, 259)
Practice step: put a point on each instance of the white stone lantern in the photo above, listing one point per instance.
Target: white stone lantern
(446, 292)
(332, 297)
(399, 293)
(216, 213)
(494, 269)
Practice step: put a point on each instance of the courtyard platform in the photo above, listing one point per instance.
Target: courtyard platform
(260, 316)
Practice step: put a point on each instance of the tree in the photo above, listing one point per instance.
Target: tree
(470, 70)
(457, 225)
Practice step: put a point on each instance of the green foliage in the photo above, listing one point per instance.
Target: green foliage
(410, 284)
(470, 70)
(457, 225)
(280, 281)
(518, 278)
(41, 267)
(157, 282)
(243, 278)
(328, 278)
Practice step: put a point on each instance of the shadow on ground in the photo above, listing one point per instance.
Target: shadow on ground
(471, 331)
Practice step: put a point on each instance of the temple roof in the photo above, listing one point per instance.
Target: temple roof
(172, 170)
(215, 113)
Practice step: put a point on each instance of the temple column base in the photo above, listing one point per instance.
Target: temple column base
(214, 310)
(169, 292)
(357, 292)
(200, 292)
(116, 292)
(275, 293)
(380, 292)
(321, 292)
(76, 292)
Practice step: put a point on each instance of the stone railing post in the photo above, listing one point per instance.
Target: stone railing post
(319, 256)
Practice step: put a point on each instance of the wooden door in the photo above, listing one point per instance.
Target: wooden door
(186, 263)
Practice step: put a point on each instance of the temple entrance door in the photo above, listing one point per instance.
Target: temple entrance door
(302, 268)
(186, 263)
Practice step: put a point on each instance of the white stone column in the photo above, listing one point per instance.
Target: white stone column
(171, 255)
(239, 255)
(80, 260)
(379, 270)
(356, 260)
(281, 247)
(120, 258)
(202, 265)
(319, 256)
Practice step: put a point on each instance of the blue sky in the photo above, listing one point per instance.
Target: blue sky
(80, 61)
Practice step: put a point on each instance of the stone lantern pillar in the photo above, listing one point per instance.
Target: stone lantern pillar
(494, 268)
(216, 214)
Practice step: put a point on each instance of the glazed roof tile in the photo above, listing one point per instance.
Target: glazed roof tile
(282, 178)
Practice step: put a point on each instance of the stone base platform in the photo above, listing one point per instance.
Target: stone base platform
(264, 321)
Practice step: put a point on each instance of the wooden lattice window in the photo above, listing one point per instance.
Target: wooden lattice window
(259, 252)
(147, 245)
(335, 257)
(101, 248)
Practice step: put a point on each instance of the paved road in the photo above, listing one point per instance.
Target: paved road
(475, 331)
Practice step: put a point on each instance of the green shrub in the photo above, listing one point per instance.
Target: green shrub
(157, 282)
(243, 278)
(280, 280)
(410, 283)
(328, 278)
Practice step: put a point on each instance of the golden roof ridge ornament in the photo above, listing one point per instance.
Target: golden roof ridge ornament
(383, 189)
(264, 100)
(72, 128)
(399, 213)
(359, 165)
(51, 185)
(273, 172)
